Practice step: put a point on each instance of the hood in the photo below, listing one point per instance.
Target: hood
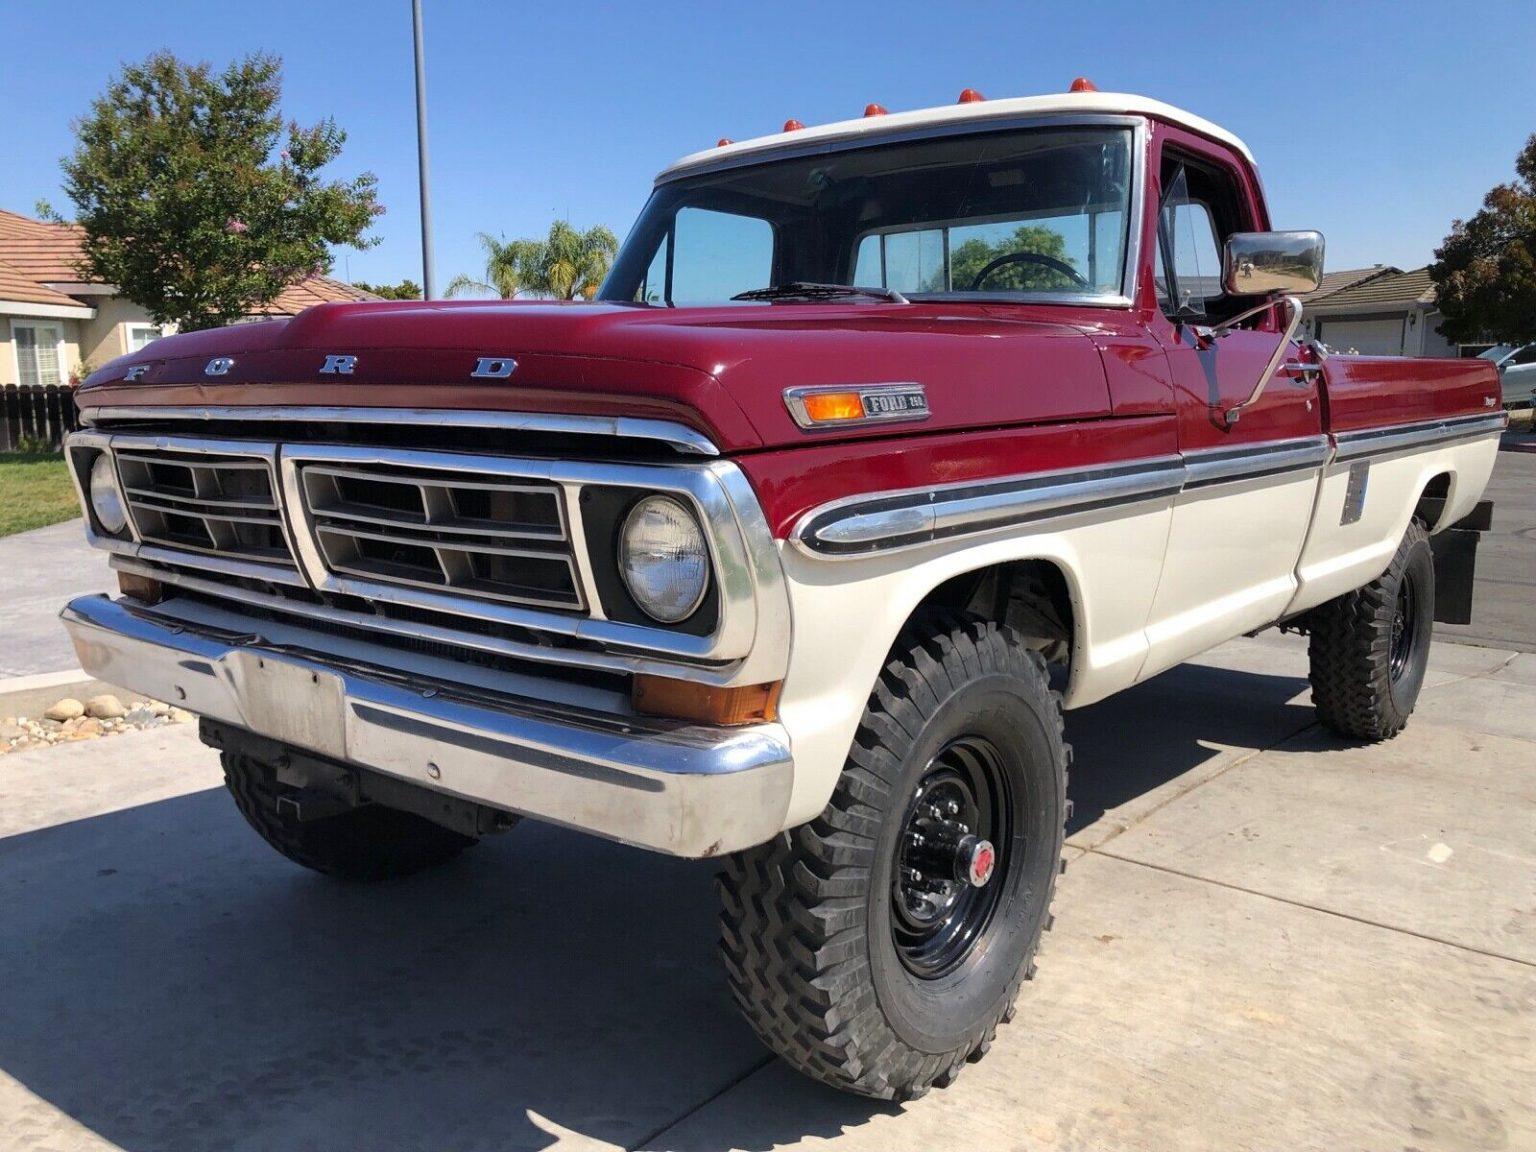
(720, 370)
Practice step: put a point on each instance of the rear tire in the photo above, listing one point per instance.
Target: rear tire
(367, 843)
(1369, 648)
(846, 966)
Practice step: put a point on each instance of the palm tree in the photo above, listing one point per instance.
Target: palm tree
(506, 265)
(565, 265)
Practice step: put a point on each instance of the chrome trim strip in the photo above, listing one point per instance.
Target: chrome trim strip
(675, 787)
(860, 525)
(679, 437)
(1382, 441)
(890, 521)
(1207, 466)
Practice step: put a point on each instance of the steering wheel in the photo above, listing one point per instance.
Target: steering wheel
(1008, 258)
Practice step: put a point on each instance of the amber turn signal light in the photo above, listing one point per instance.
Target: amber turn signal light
(831, 407)
(685, 700)
(144, 588)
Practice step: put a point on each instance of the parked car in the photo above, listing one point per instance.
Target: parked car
(885, 442)
(1517, 373)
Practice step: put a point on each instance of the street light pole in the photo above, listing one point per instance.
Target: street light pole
(428, 279)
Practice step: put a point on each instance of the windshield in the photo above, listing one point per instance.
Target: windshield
(1496, 353)
(1031, 214)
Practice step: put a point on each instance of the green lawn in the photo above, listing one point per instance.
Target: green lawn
(34, 490)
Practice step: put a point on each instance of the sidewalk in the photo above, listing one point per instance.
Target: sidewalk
(39, 571)
(1265, 940)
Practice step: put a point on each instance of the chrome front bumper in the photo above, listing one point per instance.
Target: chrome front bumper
(683, 789)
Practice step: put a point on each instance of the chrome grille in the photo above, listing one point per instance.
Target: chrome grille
(475, 534)
(221, 505)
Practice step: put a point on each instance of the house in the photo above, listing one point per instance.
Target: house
(1380, 311)
(52, 322)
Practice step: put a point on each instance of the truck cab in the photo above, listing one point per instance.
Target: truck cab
(884, 442)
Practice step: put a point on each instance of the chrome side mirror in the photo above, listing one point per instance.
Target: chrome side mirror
(1272, 263)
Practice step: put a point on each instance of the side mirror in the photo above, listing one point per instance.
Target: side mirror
(1272, 263)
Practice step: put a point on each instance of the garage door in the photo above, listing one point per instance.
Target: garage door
(1368, 337)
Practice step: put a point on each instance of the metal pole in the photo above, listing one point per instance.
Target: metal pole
(428, 280)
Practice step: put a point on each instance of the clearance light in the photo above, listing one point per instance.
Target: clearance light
(874, 109)
(704, 703)
(1083, 84)
(971, 96)
(830, 407)
(793, 125)
(825, 407)
(722, 142)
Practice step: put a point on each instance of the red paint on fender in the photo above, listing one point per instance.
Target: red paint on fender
(1372, 391)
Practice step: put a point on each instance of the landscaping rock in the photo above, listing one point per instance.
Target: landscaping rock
(107, 707)
(66, 709)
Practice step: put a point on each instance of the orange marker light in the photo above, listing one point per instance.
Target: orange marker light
(971, 96)
(827, 407)
(793, 125)
(1083, 84)
(722, 142)
(874, 109)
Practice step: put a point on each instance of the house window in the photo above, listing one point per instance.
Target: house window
(141, 334)
(39, 352)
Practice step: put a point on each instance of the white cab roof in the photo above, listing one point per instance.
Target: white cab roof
(1019, 106)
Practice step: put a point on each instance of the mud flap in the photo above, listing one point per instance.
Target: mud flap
(1455, 551)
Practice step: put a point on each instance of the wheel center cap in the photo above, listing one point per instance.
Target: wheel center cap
(981, 860)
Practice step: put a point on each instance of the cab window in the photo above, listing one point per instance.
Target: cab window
(1201, 206)
(709, 255)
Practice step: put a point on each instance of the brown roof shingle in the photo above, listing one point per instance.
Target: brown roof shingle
(17, 286)
(1405, 288)
(45, 252)
(1346, 278)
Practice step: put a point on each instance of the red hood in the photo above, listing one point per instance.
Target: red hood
(720, 370)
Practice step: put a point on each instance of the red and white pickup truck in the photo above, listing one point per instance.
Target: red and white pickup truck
(884, 442)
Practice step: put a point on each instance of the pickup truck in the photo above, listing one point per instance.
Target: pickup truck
(883, 443)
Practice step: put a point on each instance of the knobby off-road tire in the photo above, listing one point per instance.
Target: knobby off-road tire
(822, 955)
(1369, 647)
(367, 843)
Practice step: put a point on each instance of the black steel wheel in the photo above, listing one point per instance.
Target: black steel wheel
(878, 947)
(944, 899)
(1369, 648)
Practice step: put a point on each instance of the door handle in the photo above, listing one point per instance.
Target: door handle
(1301, 369)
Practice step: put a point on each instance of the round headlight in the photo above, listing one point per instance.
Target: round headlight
(106, 500)
(663, 558)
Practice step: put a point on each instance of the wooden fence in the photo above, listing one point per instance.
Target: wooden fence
(34, 415)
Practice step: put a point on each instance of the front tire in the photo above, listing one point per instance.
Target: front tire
(1369, 648)
(861, 947)
(367, 843)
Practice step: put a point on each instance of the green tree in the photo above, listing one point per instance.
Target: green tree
(197, 201)
(405, 290)
(967, 261)
(566, 264)
(507, 266)
(1485, 270)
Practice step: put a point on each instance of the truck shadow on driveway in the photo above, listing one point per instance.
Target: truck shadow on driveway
(169, 983)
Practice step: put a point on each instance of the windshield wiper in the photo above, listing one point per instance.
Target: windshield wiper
(802, 290)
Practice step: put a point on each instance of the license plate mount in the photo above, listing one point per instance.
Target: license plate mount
(295, 703)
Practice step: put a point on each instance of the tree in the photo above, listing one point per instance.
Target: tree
(967, 261)
(566, 264)
(507, 264)
(186, 208)
(1485, 270)
(405, 290)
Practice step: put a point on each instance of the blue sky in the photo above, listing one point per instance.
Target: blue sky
(1375, 122)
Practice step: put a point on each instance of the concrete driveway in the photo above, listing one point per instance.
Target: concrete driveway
(1265, 939)
(39, 571)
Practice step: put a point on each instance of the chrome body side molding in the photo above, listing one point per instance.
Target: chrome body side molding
(671, 786)
(678, 437)
(888, 521)
(1411, 437)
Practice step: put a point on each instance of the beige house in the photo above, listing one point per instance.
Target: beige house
(52, 323)
(1380, 311)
